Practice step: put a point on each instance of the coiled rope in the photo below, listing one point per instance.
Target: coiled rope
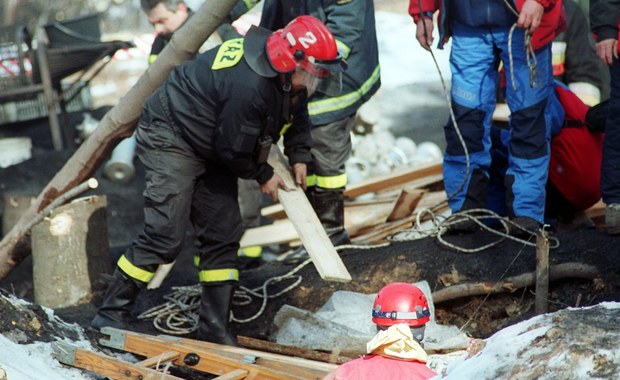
(179, 314)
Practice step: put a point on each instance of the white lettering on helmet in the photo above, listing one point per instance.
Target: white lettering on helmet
(305, 41)
(308, 40)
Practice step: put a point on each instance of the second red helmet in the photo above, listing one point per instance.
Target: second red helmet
(400, 302)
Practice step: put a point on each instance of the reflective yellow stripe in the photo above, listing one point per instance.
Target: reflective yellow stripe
(343, 49)
(333, 182)
(133, 271)
(250, 3)
(254, 251)
(341, 102)
(152, 58)
(311, 180)
(217, 275)
(229, 54)
(285, 128)
(196, 261)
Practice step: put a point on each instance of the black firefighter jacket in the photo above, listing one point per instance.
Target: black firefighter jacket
(223, 107)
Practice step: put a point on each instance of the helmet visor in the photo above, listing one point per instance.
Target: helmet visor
(328, 71)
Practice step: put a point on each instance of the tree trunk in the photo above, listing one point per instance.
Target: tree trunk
(70, 253)
(117, 124)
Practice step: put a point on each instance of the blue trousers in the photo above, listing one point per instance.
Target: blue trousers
(474, 60)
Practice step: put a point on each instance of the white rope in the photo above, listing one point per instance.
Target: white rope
(179, 314)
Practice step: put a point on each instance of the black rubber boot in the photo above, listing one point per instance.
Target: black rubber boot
(214, 312)
(117, 303)
(329, 207)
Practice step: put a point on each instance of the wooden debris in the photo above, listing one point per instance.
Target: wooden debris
(307, 224)
(367, 221)
(105, 365)
(510, 284)
(225, 362)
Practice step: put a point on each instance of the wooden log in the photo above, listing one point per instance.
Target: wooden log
(510, 284)
(542, 272)
(307, 224)
(233, 375)
(70, 252)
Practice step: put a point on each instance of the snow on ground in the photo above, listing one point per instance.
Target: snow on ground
(35, 362)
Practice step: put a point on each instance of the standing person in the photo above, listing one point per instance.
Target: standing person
(166, 16)
(213, 121)
(483, 35)
(401, 313)
(333, 115)
(574, 59)
(605, 24)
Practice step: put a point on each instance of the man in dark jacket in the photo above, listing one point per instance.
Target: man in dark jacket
(214, 121)
(605, 24)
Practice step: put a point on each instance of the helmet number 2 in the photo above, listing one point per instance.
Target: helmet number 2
(306, 40)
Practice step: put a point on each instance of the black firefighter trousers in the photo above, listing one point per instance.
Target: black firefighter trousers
(180, 188)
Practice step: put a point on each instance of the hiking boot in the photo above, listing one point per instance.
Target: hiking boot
(612, 218)
(522, 226)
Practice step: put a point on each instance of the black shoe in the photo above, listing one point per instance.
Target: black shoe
(117, 303)
(214, 313)
(523, 227)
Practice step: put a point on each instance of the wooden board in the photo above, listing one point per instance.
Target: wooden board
(314, 238)
(215, 358)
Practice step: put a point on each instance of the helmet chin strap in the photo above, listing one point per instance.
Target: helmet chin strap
(287, 87)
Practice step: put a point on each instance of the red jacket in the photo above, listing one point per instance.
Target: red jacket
(373, 367)
(553, 21)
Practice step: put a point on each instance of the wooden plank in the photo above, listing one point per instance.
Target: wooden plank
(356, 218)
(297, 352)
(280, 232)
(314, 238)
(276, 212)
(405, 204)
(106, 365)
(377, 183)
(381, 232)
(207, 357)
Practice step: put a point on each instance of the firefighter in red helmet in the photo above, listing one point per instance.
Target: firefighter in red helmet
(214, 121)
(400, 312)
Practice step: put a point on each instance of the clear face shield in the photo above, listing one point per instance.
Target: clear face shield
(323, 77)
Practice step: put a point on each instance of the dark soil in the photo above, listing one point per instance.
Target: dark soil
(370, 268)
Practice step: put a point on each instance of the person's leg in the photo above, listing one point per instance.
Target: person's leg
(331, 148)
(250, 204)
(528, 165)
(217, 223)
(474, 81)
(610, 170)
(170, 177)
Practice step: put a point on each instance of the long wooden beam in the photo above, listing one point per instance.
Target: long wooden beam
(307, 224)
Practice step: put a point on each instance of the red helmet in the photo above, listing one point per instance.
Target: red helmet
(400, 302)
(305, 42)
